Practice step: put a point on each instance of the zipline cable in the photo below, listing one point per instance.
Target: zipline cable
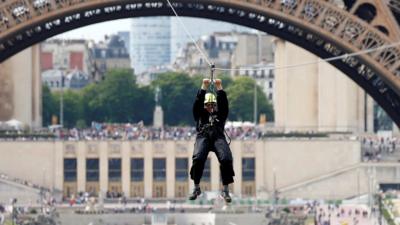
(213, 68)
(189, 34)
(366, 51)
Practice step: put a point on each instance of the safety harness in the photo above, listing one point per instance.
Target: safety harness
(212, 118)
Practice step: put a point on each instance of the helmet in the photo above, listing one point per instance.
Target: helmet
(210, 98)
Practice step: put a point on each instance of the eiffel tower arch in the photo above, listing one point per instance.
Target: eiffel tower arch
(326, 28)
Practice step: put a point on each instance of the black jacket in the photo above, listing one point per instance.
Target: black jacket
(215, 121)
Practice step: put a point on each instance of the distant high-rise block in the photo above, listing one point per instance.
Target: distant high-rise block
(150, 43)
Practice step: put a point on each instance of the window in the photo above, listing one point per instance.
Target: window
(206, 171)
(271, 74)
(270, 96)
(270, 84)
(248, 167)
(114, 169)
(92, 169)
(181, 169)
(159, 171)
(70, 170)
(76, 60)
(137, 169)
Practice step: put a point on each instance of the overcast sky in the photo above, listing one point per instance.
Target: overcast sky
(97, 31)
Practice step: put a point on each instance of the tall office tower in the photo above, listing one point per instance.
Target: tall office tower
(150, 43)
(197, 27)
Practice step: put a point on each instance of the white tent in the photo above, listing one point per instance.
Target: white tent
(15, 124)
(231, 124)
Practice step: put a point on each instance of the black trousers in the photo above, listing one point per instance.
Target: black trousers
(202, 147)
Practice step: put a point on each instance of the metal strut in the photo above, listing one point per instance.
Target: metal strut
(212, 68)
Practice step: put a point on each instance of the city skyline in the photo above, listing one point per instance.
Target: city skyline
(142, 40)
(98, 31)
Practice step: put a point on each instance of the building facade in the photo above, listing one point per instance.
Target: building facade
(68, 55)
(228, 50)
(198, 27)
(74, 80)
(252, 48)
(107, 55)
(158, 41)
(160, 169)
(317, 96)
(21, 88)
(126, 37)
(263, 74)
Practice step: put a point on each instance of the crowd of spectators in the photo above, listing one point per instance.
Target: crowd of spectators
(344, 214)
(139, 132)
(375, 148)
(127, 132)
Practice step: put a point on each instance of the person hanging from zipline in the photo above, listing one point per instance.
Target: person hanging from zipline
(210, 113)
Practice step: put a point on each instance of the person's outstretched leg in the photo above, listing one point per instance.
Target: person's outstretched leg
(225, 159)
(199, 158)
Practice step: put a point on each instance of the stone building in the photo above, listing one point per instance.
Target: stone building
(20, 88)
(111, 54)
(160, 169)
(317, 96)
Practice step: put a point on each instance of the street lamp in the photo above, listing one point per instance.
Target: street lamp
(255, 101)
(62, 68)
(62, 100)
(13, 211)
(275, 191)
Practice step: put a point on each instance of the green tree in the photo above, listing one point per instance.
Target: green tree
(177, 94)
(93, 109)
(146, 103)
(241, 100)
(49, 106)
(73, 110)
(117, 96)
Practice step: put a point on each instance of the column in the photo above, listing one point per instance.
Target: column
(191, 184)
(148, 170)
(170, 167)
(103, 158)
(81, 167)
(126, 168)
(58, 166)
(237, 165)
(259, 167)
